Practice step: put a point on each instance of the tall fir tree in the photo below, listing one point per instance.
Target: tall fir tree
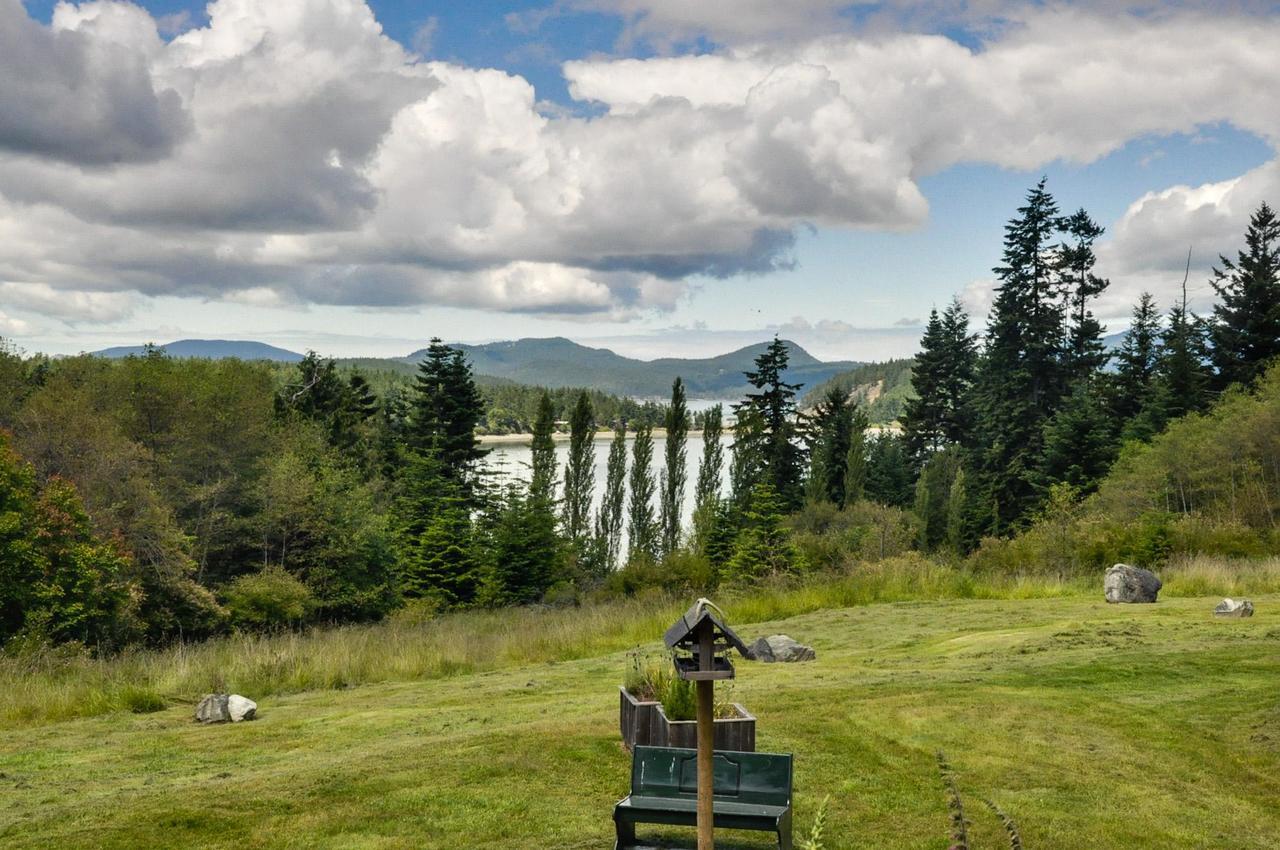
(613, 505)
(1080, 440)
(438, 552)
(1184, 372)
(889, 479)
(940, 413)
(1246, 320)
(773, 413)
(830, 433)
(1134, 380)
(642, 528)
(676, 473)
(762, 548)
(446, 408)
(523, 547)
(579, 472)
(1084, 353)
(1019, 382)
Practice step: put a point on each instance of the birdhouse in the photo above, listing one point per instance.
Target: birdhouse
(700, 643)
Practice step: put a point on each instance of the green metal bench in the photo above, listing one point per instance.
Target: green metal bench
(752, 791)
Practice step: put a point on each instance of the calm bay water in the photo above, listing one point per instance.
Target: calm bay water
(510, 461)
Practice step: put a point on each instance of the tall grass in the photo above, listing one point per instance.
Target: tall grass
(47, 684)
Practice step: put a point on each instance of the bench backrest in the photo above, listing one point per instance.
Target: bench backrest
(763, 778)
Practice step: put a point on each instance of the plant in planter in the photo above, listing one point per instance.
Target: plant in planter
(658, 709)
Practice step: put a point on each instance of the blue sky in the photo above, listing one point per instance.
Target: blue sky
(914, 217)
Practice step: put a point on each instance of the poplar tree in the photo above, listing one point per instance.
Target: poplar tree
(676, 474)
(711, 467)
(609, 521)
(542, 449)
(579, 471)
(1246, 321)
(642, 529)
(855, 462)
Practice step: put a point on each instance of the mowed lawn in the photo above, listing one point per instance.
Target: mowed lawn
(1092, 726)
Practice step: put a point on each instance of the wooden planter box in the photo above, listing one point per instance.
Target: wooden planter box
(646, 724)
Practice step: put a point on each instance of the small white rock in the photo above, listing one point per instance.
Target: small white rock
(241, 708)
(1234, 608)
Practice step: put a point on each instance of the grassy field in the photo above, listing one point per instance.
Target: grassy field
(1092, 726)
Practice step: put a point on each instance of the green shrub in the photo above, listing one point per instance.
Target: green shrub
(141, 700)
(680, 702)
(269, 599)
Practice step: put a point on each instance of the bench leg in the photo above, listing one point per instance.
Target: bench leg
(784, 831)
(626, 832)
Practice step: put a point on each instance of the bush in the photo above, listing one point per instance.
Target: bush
(269, 599)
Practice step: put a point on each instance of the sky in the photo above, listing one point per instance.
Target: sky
(659, 177)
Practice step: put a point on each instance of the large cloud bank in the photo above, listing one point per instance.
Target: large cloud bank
(290, 151)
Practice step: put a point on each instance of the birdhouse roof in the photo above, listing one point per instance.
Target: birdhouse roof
(684, 630)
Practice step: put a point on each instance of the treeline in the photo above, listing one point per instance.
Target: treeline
(1035, 410)
(882, 389)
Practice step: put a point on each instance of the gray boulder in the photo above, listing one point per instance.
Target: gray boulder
(780, 648)
(1131, 584)
(213, 709)
(241, 708)
(225, 708)
(1239, 608)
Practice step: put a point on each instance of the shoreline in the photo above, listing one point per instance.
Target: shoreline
(559, 437)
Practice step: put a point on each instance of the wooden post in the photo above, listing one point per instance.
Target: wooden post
(706, 739)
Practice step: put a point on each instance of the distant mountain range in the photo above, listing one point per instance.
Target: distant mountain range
(555, 362)
(559, 362)
(213, 349)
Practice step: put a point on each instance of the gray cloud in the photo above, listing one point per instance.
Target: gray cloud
(84, 96)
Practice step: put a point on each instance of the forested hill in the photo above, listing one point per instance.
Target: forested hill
(213, 349)
(881, 388)
(559, 362)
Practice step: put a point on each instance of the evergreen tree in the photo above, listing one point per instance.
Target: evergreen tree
(1136, 361)
(675, 474)
(1183, 370)
(763, 546)
(609, 522)
(889, 477)
(942, 378)
(710, 469)
(1246, 321)
(445, 410)
(319, 393)
(830, 435)
(579, 472)
(1080, 442)
(1084, 353)
(772, 413)
(542, 449)
(1019, 381)
(933, 497)
(438, 551)
(958, 524)
(642, 529)
(524, 550)
(855, 462)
